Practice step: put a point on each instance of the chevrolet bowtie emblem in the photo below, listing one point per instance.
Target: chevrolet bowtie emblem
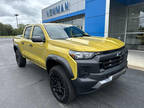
(118, 53)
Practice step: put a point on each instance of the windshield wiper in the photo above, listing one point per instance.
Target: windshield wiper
(86, 35)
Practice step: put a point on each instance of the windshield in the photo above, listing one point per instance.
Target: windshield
(63, 31)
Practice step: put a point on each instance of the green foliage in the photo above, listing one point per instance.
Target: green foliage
(8, 30)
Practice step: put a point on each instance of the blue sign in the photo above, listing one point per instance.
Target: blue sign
(58, 9)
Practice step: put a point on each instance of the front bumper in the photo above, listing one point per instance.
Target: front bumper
(89, 85)
(92, 76)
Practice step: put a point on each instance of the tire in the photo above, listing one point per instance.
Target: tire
(21, 61)
(60, 85)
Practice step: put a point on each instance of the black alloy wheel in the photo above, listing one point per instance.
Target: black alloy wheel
(21, 61)
(60, 85)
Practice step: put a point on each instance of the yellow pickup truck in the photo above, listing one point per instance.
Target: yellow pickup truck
(76, 62)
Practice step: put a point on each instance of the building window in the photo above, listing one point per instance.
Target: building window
(135, 28)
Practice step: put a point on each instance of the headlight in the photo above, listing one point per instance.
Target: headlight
(81, 55)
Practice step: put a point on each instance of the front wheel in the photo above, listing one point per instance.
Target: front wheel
(21, 61)
(60, 85)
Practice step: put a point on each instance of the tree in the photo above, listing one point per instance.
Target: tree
(8, 30)
(1, 29)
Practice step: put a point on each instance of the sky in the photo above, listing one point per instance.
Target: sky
(29, 11)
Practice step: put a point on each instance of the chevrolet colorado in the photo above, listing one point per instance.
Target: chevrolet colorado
(76, 62)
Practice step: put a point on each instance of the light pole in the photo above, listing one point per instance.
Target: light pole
(16, 15)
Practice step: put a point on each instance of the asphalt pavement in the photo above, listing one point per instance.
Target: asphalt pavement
(29, 87)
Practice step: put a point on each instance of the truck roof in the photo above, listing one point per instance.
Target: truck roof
(50, 24)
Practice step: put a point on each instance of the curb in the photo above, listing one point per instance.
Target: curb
(136, 67)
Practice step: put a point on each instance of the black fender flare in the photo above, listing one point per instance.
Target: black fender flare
(62, 61)
(15, 46)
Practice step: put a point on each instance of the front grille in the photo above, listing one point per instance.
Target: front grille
(113, 59)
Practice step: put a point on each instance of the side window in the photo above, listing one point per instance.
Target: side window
(27, 32)
(37, 32)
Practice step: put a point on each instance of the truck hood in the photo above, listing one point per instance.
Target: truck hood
(90, 44)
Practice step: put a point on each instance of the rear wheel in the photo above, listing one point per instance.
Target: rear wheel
(61, 85)
(21, 61)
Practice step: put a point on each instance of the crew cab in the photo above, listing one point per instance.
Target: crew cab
(76, 62)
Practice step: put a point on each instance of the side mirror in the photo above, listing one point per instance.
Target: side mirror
(37, 39)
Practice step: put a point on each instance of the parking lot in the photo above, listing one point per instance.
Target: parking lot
(29, 87)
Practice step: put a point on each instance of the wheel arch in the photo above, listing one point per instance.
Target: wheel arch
(53, 60)
(16, 48)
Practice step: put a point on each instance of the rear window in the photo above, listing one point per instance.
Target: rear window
(27, 32)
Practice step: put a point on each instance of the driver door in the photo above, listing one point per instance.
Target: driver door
(38, 48)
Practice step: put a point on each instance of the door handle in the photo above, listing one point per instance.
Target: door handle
(22, 43)
(30, 45)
